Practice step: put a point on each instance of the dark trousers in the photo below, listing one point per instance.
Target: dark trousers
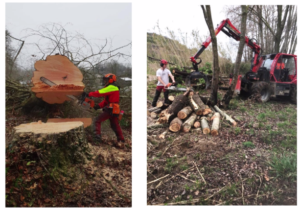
(114, 124)
(157, 94)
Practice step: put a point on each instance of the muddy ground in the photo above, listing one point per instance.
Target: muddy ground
(253, 163)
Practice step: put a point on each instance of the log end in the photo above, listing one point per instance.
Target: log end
(214, 133)
(197, 124)
(206, 131)
(186, 128)
(174, 127)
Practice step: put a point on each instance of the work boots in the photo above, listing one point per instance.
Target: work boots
(157, 94)
(97, 138)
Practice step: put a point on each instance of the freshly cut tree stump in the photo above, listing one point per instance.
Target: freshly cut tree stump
(227, 117)
(86, 121)
(186, 111)
(61, 71)
(179, 102)
(215, 125)
(187, 125)
(204, 125)
(171, 98)
(175, 125)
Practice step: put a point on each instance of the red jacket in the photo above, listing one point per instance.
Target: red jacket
(110, 92)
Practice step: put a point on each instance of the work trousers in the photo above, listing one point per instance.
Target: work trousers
(114, 124)
(157, 94)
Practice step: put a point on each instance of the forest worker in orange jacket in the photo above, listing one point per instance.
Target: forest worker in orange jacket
(110, 106)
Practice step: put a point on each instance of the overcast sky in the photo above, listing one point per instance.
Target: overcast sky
(93, 20)
(187, 17)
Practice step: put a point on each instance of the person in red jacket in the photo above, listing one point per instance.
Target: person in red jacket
(110, 106)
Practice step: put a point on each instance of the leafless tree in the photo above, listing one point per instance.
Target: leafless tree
(215, 79)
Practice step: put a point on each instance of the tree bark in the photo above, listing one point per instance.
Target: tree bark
(204, 125)
(196, 103)
(182, 114)
(187, 125)
(280, 26)
(215, 125)
(230, 92)
(216, 72)
(175, 125)
(227, 117)
(179, 102)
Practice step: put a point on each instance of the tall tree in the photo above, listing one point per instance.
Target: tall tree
(216, 72)
(229, 94)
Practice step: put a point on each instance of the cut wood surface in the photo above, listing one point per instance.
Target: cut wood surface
(153, 115)
(61, 71)
(187, 125)
(86, 121)
(47, 128)
(206, 111)
(216, 124)
(227, 117)
(175, 125)
(182, 114)
(171, 98)
(204, 125)
(159, 104)
(163, 135)
(197, 124)
(166, 117)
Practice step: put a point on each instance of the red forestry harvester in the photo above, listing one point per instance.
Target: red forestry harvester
(270, 75)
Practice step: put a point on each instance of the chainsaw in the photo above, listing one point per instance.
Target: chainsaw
(83, 100)
(173, 87)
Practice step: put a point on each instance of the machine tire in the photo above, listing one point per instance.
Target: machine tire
(261, 90)
(293, 94)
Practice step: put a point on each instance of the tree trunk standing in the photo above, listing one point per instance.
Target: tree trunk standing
(260, 26)
(216, 72)
(288, 32)
(230, 92)
(280, 26)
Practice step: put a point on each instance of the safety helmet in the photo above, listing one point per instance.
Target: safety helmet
(163, 62)
(109, 79)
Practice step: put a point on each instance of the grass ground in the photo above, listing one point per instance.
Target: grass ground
(254, 163)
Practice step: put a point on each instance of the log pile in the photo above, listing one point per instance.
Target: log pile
(188, 111)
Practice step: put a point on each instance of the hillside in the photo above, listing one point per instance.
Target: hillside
(161, 47)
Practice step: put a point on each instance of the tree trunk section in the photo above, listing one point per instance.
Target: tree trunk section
(159, 104)
(61, 71)
(187, 125)
(171, 98)
(166, 117)
(197, 124)
(215, 125)
(185, 112)
(175, 125)
(179, 102)
(227, 117)
(204, 125)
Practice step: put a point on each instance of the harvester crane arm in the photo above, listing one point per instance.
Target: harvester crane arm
(229, 29)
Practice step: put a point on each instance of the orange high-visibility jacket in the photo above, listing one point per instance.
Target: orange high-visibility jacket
(110, 92)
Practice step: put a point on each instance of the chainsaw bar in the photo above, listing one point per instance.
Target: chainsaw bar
(51, 84)
(173, 88)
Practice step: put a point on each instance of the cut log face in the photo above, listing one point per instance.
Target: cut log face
(197, 124)
(61, 71)
(175, 125)
(153, 115)
(47, 128)
(187, 125)
(171, 98)
(86, 121)
(182, 114)
(159, 104)
(215, 125)
(204, 125)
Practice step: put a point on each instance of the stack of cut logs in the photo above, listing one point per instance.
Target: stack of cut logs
(188, 111)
